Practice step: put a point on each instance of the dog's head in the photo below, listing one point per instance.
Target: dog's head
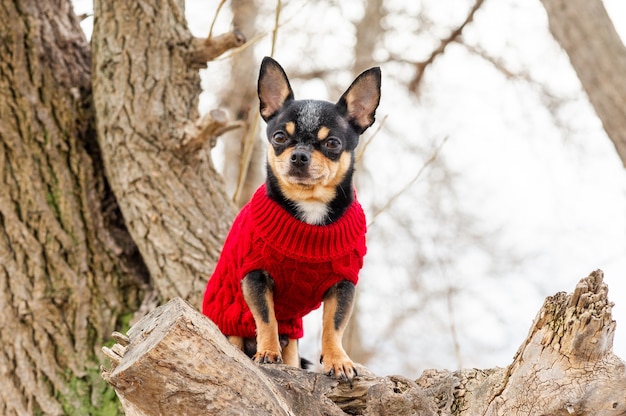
(312, 142)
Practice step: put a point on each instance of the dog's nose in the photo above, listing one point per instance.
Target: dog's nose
(299, 158)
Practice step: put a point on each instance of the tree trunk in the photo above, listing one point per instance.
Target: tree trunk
(146, 87)
(586, 33)
(69, 271)
(175, 361)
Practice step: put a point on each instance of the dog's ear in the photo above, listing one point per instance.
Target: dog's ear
(361, 99)
(273, 88)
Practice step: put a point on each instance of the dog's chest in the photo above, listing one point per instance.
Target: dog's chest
(312, 212)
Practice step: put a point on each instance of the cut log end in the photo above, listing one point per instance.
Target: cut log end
(579, 325)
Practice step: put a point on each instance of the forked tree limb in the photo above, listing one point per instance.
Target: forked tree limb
(177, 362)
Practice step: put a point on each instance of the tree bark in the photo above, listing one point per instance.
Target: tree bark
(586, 33)
(146, 88)
(175, 361)
(69, 272)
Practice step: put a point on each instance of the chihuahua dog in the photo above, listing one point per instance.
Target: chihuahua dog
(300, 241)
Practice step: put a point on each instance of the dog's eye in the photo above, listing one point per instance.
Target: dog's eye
(332, 144)
(279, 138)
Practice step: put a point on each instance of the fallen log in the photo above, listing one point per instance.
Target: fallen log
(176, 362)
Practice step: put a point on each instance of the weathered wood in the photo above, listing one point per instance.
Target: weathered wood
(68, 267)
(565, 365)
(205, 129)
(148, 126)
(177, 362)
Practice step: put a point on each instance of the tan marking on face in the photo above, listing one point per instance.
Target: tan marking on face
(276, 163)
(324, 176)
(341, 167)
(290, 128)
(322, 133)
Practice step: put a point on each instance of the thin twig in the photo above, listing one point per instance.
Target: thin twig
(371, 138)
(279, 6)
(217, 12)
(454, 35)
(395, 196)
(449, 293)
(259, 36)
(246, 156)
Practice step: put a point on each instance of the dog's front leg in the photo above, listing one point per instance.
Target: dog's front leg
(257, 289)
(338, 303)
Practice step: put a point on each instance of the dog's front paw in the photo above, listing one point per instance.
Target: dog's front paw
(267, 357)
(338, 365)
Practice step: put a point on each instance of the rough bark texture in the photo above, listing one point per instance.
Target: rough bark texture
(146, 87)
(566, 365)
(68, 268)
(586, 33)
(176, 361)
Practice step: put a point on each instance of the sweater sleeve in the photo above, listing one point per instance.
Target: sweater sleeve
(223, 299)
(250, 249)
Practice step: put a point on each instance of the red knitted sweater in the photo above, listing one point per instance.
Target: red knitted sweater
(304, 260)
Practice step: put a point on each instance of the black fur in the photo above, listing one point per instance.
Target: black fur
(344, 292)
(259, 283)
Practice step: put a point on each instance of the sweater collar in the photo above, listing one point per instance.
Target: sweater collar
(292, 236)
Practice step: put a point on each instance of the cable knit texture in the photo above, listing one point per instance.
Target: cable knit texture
(304, 260)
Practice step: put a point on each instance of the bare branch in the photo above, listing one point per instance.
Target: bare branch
(454, 35)
(206, 50)
(217, 13)
(395, 196)
(204, 131)
(246, 155)
(279, 7)
(370, 139)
